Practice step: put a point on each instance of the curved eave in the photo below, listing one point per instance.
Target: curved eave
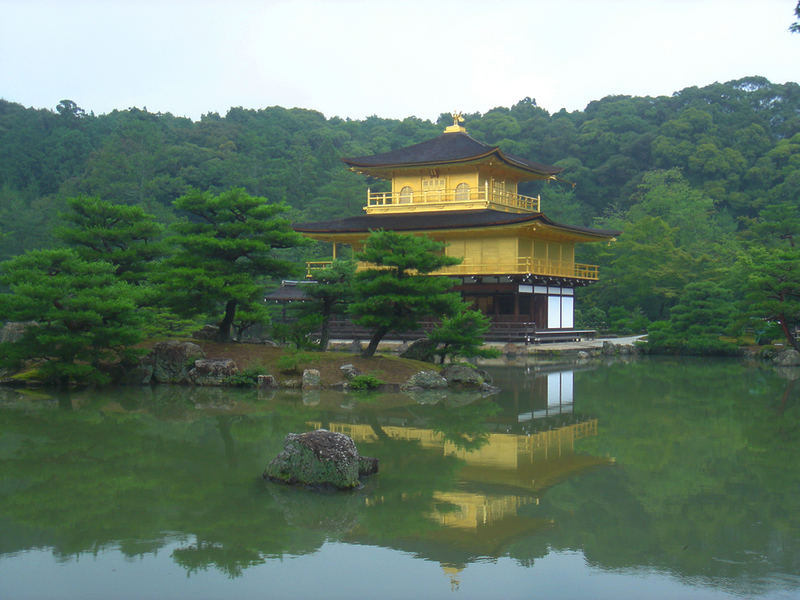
(523, 171)
(450, 222)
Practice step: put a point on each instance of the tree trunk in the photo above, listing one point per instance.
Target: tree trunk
(324, 328)
(373, 343)
(789, 336)
(323, 334)
(224, 334)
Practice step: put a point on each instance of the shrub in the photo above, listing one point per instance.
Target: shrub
(244, 378)
(293, 362)
(364, 382)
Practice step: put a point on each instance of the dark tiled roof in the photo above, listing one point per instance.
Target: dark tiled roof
(427, 221)
(289, 290)
(447, 148)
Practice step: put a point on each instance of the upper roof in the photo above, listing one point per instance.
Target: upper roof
(445, 220)
(448, 148)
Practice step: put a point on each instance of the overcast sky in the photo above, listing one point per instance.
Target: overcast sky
(355, 58)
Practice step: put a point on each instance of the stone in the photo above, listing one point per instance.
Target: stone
(311, 379)
(320, 458)
(425, 380)
(355, 347)
(212, 371)
(140, 374)
(208, 332)
(609, 348)
(513, 350)
(267, 381)
(421, 349)
(349, 371)
(462, 376)
(172, 360)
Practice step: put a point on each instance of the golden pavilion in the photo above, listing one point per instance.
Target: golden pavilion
(518, 266)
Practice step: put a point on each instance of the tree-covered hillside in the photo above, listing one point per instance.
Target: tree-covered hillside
(705, 183)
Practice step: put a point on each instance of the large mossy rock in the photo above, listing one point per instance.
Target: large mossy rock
(424, 380)
(172, 360)
(312, 379)
(463, 376)
(212, 371)
(320, 458)
(421, 349)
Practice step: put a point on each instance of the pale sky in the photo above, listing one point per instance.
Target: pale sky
(355, 58)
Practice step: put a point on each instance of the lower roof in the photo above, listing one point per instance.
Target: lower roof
(437, 221)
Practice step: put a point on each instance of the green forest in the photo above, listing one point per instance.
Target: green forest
(705, 185)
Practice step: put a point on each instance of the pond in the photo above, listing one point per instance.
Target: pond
(647, 479)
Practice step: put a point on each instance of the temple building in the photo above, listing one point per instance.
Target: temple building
(518, 265)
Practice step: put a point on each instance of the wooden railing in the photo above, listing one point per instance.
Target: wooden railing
(316, 265)
(520, 266)
(518, 330)
(453, 197)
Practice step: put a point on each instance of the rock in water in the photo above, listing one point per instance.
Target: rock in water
(320, 458)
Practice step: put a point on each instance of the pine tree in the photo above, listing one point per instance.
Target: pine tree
(78, 315)
(330, 295)
(397, 292)
(125, 236)
(462, 335)
(224, 253)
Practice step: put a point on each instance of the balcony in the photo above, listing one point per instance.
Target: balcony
(459, 199)
(520, 266)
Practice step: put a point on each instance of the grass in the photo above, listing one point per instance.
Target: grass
(389, 369)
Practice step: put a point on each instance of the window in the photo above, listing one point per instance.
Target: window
(406, 195)
(462, 192)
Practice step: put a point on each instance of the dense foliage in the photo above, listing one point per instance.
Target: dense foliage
(703, 182)
(225, 254)
(395, 293)
(77, 314)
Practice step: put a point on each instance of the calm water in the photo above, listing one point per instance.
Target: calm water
(654, 479)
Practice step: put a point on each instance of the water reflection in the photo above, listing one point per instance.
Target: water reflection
(687, 468)
(506, 456)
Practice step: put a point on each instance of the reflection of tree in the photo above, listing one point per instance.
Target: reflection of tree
(461, 423)
(200, 556)
(94, 477)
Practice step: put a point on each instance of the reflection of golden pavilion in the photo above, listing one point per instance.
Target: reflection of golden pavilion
(507, 472)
